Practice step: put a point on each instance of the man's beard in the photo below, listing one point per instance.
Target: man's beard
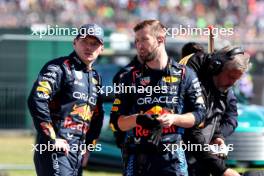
(149, 57)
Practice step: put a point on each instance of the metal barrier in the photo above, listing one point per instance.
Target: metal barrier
(12, 106)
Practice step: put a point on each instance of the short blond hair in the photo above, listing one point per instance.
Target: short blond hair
(156, 27)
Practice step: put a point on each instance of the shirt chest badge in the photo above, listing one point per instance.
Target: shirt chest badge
(145, 81)
(79, 75)
(171, 79)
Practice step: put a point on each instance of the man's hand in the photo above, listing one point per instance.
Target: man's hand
(231, 172)
(222, 150)
(62, 145)
(85, 158)
(167, 120)
(147, 121)
(218, 141)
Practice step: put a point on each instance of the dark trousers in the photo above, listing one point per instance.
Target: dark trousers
(57, 164)
(155, 164)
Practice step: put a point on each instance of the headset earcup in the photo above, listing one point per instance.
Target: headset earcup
(217, 61)
(215, 64)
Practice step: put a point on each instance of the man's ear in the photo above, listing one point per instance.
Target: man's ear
(161, 39)
(102, 49)
(74, 41)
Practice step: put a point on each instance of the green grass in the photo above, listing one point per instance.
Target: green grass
(32, 173)
(242, 170)
(17, 150)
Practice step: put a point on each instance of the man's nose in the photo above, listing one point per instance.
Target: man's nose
(139, 45)
(89, 47)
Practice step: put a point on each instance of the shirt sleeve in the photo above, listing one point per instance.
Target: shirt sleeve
(228, 122)
(121, 104)
(96, 120)
(43, 91)
(194, 101)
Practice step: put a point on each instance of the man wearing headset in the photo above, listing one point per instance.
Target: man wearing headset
(228, 122)
(217, 72)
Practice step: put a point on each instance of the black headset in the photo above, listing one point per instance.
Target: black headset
(217, 60)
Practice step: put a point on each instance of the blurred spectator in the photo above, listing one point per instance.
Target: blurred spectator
(244, 89)
(121, 15)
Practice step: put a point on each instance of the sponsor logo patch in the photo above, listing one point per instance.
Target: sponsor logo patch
(200, 100)
(45, 84)
(79, 75)
(170, 79)
(43, 89)
(69, 123)
(83, 111)
(117, 101)
(42, 95)
(114, 109)
(94, 81)
(53, 67)
(145, 81)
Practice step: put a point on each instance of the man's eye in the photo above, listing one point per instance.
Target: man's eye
(95, 44)
(137, 41)
(84, 42)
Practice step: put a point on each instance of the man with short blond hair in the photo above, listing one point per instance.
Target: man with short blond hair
(152, 124)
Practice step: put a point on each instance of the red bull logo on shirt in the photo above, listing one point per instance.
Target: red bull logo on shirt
(141, 132)
(83, 111)
(69, 123)
(158, 110)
